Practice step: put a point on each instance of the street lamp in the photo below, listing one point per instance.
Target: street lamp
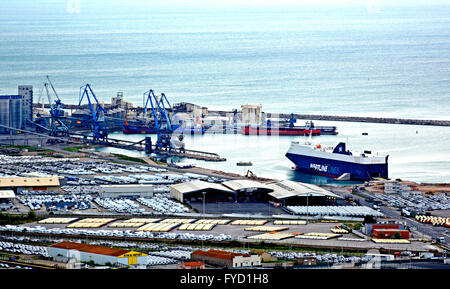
(204, 193)
(307, 208)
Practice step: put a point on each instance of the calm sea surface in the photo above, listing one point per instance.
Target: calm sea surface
(395, 63)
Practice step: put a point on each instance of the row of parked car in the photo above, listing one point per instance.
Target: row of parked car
(157, 260)
(10, 266)
(66, 202)
(119, 205)
(23, 249)
(25, 160)
(26, 165)
(114, 233)
(417, 202)
(163, 204)
(173, 254)
(81, 190)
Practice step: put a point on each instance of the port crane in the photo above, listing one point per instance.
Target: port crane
(57, 126)
(163, 123)
(100, 129)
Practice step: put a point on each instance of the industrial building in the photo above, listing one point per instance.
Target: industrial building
(120, 103)
(248, 190)
(19, 184)
(251, 114)
(6, 197)
(295, 193)
(190, 108)
(199, 190)
(26, 91)
(130, 191)
(382, 223)
(16, 111)
(98, 254)
(191, 265)
(390, 233)
(240, 191)
(226, 259)
(10, 113)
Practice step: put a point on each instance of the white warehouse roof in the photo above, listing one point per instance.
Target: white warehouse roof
(286, 189)
(237, 185)
(7, 194)
(198, 185)
(179, 190)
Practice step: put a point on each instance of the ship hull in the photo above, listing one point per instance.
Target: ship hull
(133, 129)
(248, 130)
(335, 164)
(335, 168)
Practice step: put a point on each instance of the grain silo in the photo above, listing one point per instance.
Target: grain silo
(10, 112)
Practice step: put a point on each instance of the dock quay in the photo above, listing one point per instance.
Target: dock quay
(140, 146)
(406, 121)
(429, 122)
(75, 138)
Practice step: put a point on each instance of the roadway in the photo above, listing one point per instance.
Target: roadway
(432, 232)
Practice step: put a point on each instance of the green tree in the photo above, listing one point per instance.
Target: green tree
(32, 215)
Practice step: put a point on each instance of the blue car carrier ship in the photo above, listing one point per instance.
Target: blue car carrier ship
(337, 161)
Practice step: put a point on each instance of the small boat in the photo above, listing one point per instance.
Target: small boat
(241, 163)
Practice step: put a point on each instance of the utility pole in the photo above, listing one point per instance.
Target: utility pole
(307, 208)
(204, 193)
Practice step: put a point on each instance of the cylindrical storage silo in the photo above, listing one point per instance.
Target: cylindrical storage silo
(10, 112)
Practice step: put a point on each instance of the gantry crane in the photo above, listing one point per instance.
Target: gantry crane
(57, 126)
(99, 127)
(163, 124)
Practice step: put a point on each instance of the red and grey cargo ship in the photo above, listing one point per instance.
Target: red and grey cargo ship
(282, 130)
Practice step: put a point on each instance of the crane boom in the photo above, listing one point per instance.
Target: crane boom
(99, 123)
(53, 88)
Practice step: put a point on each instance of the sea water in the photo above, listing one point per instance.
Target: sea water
(343, 61)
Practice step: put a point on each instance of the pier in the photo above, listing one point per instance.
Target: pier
(140, 146)
(407, 121)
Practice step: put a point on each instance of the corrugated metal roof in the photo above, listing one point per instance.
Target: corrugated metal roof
(287, 189)
(91, 249)
(28, 182)
(219, 254)
(237, 185)
(197, 185)
(194, 263)
(8, 194)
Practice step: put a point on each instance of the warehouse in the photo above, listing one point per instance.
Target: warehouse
(248, 190)
(98, 254)
(6, 198)
(393, 224)
(197, 191)
(18, 184)
(226, 259)
(295, 193)
(390, 233)
(130, 191)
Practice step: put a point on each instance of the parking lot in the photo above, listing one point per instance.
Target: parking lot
(416, 202)
(237, 232)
